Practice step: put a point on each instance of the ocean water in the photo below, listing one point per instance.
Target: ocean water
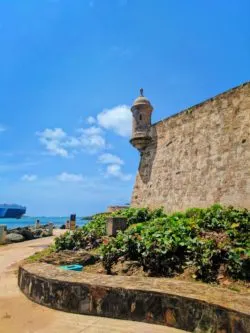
(30, 221)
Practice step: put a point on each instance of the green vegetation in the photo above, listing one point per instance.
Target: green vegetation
(88, 237)
(214, 241)
(210, 240)
(138, 215)
(87, 218)
(41, 254)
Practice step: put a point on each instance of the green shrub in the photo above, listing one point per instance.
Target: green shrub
(165, 245)
(138, 215)
(203, 238)
(134, 215)
(87, 237)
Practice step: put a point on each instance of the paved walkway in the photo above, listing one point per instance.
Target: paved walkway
(18, 314)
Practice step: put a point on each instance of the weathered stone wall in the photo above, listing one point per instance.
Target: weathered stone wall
(199, 157)
(112, 209)
(115, 224)
(189, 306)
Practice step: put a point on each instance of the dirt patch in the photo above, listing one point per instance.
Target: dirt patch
(92, 264)
(218, 237)
(68, 257)
(126, 268)
(131, 268)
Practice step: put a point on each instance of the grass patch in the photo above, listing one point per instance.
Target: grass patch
(36, 257)
(233, 288)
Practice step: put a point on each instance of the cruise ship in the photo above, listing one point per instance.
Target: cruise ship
(12, 211)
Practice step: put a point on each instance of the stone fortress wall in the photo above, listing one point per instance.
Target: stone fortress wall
(199, 156)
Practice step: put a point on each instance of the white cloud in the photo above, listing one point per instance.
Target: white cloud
(92, 139)
(114, 170)
(110, 159)
(90, 120)
(29, 178)
(53, 139)
(118, 119)
(71, 142)
(70, 177)
(54, 148)
(55, 134)
(2, 128)
(92, 131)
(57, 142)
(114, 166)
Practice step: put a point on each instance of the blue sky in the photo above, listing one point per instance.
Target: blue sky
(70, 70)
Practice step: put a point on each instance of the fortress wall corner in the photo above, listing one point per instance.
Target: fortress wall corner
(199, 157)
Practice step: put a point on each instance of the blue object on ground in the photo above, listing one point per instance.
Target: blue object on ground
(75, 267)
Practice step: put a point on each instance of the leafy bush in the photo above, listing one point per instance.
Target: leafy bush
(138, 215)
(134, 215)
(165, 245)
(87, 237)
(207, 239)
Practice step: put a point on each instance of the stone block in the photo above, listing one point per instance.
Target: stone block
(3, 233)
(114, 224)
(51, 226)
(37, 224)
(14, 238)
(72, 223)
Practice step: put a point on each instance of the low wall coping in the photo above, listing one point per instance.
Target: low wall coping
(221, 297)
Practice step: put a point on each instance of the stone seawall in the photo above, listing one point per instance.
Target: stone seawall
(189, 306)
(199, 157)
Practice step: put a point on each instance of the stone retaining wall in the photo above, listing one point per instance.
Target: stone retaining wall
(192, 307)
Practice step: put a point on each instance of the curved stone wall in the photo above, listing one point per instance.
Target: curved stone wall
(192, 307)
